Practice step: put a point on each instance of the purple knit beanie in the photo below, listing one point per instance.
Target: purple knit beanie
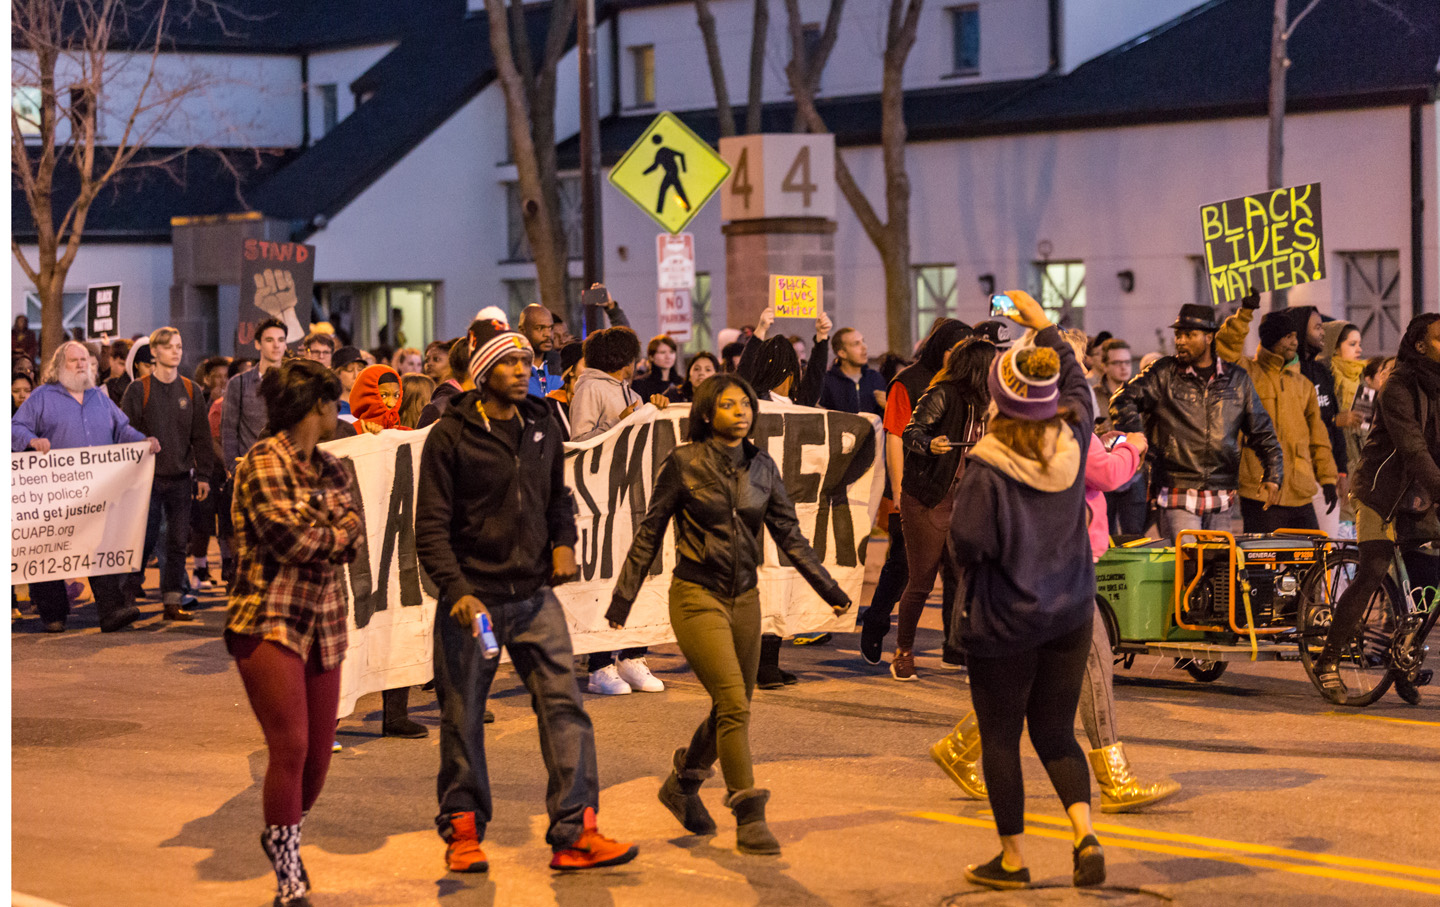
(1025, 382)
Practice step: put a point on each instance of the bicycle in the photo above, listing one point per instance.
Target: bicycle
(1389, 642)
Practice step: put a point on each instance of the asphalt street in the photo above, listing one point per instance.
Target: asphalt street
(136, 770)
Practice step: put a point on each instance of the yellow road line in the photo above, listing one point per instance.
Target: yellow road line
(1252, 849)
(1345, 875)
(1384, 718)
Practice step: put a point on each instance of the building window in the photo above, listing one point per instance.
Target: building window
(82, 111)
(643, 58)
(1061, 286)
(74, 307)
(965, 39)
(936, 296)
(329, 108)
(517, 244)
(25, 101)
(1372, 298)
(526, 291)
(701, 336)
(810, 35)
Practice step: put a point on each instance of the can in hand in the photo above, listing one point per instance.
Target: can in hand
(486, 634)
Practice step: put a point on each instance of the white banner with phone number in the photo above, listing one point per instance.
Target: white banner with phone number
(78, 511)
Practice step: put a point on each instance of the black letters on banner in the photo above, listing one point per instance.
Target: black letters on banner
(368, 595)
(628, 480)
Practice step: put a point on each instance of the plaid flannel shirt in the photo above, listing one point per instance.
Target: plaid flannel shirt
(295, 521)
(1198, 501)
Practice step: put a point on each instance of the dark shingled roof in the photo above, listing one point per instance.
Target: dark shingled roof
(1210, 62)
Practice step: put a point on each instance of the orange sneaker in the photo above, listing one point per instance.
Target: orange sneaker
(593, 849)
(463, 853)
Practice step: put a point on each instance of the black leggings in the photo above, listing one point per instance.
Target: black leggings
(1041, 686)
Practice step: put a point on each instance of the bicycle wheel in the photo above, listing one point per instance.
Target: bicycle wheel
(1365, 661)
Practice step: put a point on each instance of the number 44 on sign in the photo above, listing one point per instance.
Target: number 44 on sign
(778, 176)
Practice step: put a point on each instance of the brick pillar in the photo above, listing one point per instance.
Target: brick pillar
(755, 249)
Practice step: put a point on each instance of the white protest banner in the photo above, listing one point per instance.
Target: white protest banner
(390, 600)
(78, 511)
(828, 460)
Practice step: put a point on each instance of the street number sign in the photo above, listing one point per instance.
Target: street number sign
(782, 175)
(669, 172)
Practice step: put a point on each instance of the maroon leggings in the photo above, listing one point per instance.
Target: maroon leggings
(926, 531)
(295, 703)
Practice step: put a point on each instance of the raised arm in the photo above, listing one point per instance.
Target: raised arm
(1230, 339)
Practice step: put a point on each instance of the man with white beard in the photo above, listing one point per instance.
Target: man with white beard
(69, 411)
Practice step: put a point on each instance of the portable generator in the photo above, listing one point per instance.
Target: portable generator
(1234, 586)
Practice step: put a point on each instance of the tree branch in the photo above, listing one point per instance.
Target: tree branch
(723, 112)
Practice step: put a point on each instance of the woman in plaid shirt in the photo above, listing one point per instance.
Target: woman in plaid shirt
(295, 520)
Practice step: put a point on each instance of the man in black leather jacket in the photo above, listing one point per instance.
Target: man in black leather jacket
(1196, 412)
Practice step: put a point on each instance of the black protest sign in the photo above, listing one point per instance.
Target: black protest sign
(103, 303)
(1269, 241)
(277, 280)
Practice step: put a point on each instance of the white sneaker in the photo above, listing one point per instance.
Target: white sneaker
(607, 682)
(636, 672)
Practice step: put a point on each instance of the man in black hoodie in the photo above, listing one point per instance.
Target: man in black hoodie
(494, 529)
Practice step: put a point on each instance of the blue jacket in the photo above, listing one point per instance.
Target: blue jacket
(841, 393)
(51, 413)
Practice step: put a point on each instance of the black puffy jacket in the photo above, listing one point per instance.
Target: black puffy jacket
(941, 411)
(1195, 428)
(719, 511)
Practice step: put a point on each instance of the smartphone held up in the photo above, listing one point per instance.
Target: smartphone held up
(1002, 306)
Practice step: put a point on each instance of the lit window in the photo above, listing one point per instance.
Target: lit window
(936, 296)
(1062, 291)
(965, 35)
(644, 60)
(25, 101)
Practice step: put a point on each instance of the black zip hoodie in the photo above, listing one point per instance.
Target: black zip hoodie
(488, 515)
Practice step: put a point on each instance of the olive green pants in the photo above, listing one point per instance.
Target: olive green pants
(720, 637)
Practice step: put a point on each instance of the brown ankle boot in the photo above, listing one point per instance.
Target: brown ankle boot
(752, 834)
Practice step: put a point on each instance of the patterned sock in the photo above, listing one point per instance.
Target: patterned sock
(282, 846)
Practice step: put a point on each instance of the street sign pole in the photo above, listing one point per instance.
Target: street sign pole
(593, 253)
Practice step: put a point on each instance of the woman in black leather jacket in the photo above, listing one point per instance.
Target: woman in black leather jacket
(721, 490)
(947, 420)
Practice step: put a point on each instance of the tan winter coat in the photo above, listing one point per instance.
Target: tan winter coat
(1289, 397)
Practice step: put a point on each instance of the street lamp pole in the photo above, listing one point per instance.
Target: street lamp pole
(593, 254)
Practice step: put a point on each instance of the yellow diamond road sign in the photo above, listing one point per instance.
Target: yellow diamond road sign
(669, 172)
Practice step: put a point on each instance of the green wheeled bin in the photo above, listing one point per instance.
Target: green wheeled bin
(1138, 584)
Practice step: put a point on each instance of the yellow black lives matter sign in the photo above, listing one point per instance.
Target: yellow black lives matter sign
(670, 172)
(1269, 241)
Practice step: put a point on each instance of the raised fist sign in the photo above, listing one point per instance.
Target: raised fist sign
(275, 295)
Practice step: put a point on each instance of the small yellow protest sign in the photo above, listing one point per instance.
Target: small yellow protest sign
(670, 172)
(796, 297)
(1269, 241)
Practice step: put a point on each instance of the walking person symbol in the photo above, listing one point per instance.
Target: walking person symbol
(673, 163)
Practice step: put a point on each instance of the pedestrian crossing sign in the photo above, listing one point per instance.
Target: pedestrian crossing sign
(670, 172)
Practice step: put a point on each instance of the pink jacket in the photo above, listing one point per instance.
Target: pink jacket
(1105, 470)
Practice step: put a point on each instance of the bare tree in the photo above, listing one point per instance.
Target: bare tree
(755, 99)
(530, 118)
(891, 237)
(71, 58)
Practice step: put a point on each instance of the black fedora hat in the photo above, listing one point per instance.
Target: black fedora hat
(1194, 317)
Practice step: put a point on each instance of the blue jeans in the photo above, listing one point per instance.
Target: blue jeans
(534, 632)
